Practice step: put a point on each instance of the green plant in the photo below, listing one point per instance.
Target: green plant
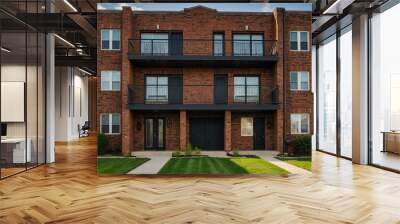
(197, 151)
(102, 143)
(189, 150)
(177, 153)
(301, 145)
(235, 152)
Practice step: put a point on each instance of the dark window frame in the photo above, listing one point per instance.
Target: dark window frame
(251, 42)
(245, 85)
(223, 42)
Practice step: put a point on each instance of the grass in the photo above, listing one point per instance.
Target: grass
(213, 165)
(201, 165)
(258, 166)
(302, 162)
(118, 165)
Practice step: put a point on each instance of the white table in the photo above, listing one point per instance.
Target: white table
(19, 153)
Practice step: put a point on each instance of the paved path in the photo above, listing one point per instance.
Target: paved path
(156, 162)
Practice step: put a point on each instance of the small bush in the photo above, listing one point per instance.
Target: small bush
(196, 151)
(301, 146)
(176, 153)
(189, 150)
(102, 143)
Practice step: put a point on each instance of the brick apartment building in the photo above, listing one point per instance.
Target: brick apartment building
(217, 80)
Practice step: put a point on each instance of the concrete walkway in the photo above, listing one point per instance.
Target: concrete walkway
(159, 158)
(156, 162)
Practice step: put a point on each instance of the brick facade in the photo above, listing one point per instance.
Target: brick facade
(200, 23)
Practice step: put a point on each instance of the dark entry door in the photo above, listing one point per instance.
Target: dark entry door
(175, 89)
(207, 133)
(154, 133)
(175, 44)
(259, 133)
(220, 89)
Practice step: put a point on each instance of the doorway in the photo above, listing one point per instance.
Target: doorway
(154, 133)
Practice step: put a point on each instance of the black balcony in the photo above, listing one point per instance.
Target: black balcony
(194, 97)
(200, 52)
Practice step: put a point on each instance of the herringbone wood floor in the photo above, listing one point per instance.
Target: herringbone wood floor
(70, 191)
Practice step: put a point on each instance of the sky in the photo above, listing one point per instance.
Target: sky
(225, 7)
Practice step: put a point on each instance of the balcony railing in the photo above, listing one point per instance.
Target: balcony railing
(202, 94)
(202, 47)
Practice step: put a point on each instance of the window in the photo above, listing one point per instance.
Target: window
(299, 123)
(218, 44)
(299, 41)
(246, 126)
(246, 89)
(299, 81)
(154, 44)
(110, 39)
(110, 80)
(110, 123)
(248, 45)
(156, 89)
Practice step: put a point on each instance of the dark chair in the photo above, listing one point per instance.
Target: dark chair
(84, 130)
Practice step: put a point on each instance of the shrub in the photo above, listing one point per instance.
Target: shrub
(301, 145)
(189, 150)
(102, 143)
(197, 151)
(177, 153)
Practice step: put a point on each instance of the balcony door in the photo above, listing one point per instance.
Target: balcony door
(175, 43)
(220, 89)
(154, 133)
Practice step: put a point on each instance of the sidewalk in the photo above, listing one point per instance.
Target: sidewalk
(156, 162)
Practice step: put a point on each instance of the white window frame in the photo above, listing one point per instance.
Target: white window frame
(110, 75)
(110, 119)
(243, 128)
(297, 117)
(299, 41)
(110, 40)
(299, 80)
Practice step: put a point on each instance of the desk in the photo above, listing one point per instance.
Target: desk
(391, 142)
(13, 150)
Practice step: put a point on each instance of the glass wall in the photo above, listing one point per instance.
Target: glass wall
(346, 92)
(327, 95)
(385, 89)
(22, 98)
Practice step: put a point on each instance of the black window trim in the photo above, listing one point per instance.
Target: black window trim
(251, 40)
(245, 94)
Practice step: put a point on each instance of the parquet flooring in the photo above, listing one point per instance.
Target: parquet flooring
(70, 191)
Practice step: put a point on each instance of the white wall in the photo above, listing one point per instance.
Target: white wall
(71, 102)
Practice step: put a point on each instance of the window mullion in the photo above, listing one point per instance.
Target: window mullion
(299, 41)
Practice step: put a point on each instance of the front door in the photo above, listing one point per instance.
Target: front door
(259, 133)
(154, 138)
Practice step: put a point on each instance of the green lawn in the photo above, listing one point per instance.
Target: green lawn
(119, 165)
(258, 166)
(302, 162)
(213, 165)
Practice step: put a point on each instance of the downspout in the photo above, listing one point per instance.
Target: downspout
(284, 82)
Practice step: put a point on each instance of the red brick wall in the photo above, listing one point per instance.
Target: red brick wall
(108, 101)
(247, 142)
(299, 101)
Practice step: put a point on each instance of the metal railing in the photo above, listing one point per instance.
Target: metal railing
(202, 47)
(202, 94)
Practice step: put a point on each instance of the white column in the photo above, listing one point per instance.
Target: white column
(360, 90)
(50, 94)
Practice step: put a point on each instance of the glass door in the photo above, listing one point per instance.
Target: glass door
(154, 133)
